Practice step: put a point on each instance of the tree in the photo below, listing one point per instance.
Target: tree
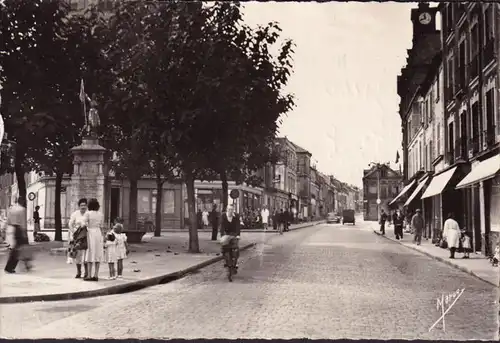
(26, 28)
(55, 49)
(213, 71)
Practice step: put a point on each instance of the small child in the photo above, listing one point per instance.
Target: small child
(121, 247)
(466, 244)
(110, 253)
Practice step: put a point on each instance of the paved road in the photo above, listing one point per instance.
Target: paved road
(327, 281)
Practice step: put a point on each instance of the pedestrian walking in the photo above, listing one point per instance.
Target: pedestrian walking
(121, 248)
(417, 224)
(264, 214)
(275, 220)
(281, 217)
(204, 218)
(36, 221)
(94, 254)
(286, 220)
(110, 254)
(77, 220)
(17, 238)
(214, 220)
(398, 222)
(199, 216)
(451, 233)
(466, 243)
(383, 219)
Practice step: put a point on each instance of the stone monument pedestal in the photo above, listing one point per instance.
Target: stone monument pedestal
(87, 180)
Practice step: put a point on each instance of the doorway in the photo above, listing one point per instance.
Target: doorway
(115, 204)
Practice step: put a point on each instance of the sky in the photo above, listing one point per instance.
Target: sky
(347, 59)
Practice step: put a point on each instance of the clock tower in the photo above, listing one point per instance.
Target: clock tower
(424, 19)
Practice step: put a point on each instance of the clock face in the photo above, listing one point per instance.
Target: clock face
(425, 18)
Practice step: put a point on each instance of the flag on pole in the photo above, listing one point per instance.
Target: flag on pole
(397, 157)
(82, 92)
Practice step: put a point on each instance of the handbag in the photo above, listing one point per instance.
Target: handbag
(72, 251)
(80, 238)
(444, 244)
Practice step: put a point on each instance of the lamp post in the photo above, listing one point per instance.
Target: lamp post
(377, 165)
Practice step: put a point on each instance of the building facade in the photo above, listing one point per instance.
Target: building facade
(470, 48)
(457, 92)
(379, 183)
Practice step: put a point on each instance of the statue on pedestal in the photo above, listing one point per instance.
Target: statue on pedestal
(92, 120)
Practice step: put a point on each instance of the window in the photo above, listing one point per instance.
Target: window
(168, 201)
(144, 201)
(474, 45)
(462, 62)
(383, 191)
(438, 139)
(450, 71)
(432, 154)
(438, 86)
(425, 157)
(372, 189)
(450, 139)
(430, 107)
(488, 24)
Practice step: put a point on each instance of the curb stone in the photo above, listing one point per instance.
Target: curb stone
(440, 259)
(117, 289)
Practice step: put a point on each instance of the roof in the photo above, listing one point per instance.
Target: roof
(368, 172)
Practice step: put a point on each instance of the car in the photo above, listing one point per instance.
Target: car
(332, 218)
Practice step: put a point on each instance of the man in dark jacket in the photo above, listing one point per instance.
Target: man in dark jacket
(286, 220)
(417, 223)
(383, 219)
(398, 221)
(214, 221)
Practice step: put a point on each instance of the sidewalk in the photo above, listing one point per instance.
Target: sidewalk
(156, 260)
(477, 265)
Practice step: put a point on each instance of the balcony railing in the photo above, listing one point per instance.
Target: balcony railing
(474, 144)
(461, 148)
(474, 68)
(489, 136)
(488, 52)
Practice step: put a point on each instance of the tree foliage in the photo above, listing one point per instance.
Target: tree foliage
(180, 86)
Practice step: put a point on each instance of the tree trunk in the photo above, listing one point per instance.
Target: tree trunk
(21, 182)
(132, 219)
(225, 190)
(159, 198)
(57, 204)
(194, 246)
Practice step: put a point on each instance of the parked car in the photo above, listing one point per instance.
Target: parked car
(332, 218)
(348, 217)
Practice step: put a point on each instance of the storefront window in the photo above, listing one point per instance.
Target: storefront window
(144, 201)
(169, 201)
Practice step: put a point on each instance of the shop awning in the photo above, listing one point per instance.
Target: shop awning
(485, 170)
(438, 183)
(405, 189)
(416, 191)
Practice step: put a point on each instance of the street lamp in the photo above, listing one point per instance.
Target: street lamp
(377, 165)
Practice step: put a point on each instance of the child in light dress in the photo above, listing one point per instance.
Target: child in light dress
(466, 243)
(121, 247)
(110, 254)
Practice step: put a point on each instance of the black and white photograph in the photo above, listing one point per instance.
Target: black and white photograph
(249, 170)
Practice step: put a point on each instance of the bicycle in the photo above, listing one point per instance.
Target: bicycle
(230, 253)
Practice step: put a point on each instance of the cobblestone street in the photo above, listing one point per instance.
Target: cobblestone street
(328, 281)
